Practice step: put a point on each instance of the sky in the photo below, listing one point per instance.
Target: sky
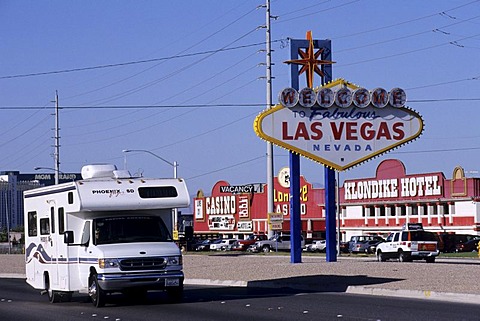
(185, 80)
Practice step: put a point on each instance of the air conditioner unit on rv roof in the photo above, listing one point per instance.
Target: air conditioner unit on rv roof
(98, 170)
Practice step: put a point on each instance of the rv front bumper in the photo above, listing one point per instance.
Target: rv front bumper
(122, 281)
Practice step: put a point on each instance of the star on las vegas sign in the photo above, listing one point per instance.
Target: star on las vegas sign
(309, 61)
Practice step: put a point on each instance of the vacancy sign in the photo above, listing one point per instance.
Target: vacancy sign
(339, 125)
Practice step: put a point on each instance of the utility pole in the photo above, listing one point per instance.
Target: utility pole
(56, 153)
(270, 175)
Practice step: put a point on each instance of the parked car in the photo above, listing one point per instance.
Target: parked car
(412, 243)
(221, 244)
(357, 242)
(452, 241)
(344, 247)
(229, 246)
(371, 246)
(203, 245)
(242, 245)
(316, 246)
(276, 242)
(469, 246)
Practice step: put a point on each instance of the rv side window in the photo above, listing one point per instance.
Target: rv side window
(86, 233)
(32, 223)
(52, 215)
(61, 220)
(70, 198)
(44, 226)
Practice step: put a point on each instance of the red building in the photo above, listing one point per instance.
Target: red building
(375, 205)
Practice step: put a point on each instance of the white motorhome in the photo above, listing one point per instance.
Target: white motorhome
(108, 232)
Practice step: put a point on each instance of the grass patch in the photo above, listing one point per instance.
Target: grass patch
(460, 255)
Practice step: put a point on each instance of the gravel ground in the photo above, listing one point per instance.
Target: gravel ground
(446, 275)
(460, 276)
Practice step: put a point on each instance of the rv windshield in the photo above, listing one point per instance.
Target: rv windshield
(128, 229)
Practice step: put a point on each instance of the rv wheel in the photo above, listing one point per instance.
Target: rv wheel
(53, 296)
(97, 295)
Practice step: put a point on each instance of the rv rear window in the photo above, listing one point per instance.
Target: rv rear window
(157, 192)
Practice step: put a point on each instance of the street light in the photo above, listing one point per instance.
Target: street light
(51, 169)
(175, 165)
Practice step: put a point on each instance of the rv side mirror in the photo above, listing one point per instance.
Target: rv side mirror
(68, 237)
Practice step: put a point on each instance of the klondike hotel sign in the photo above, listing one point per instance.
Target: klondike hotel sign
(393, 188)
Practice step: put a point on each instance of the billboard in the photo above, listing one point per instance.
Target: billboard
(339, 125)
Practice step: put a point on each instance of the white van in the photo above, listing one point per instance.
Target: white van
(108, 232)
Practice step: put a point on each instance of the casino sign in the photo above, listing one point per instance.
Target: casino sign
(339, 125)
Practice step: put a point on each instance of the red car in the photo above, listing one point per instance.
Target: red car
(242, 245)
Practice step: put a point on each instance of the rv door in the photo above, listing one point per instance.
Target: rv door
(57, 222)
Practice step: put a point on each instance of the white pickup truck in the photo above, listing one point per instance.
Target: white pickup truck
(412, 243)
(277, 242)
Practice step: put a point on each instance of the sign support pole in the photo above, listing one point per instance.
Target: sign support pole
(295, 220)
(330, 208)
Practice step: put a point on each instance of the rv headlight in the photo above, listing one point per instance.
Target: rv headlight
(174, 260)
(108, 263)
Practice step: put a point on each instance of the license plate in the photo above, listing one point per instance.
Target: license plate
(172, 282)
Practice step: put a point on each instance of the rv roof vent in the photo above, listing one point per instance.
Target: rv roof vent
(122, 173)
(98, 170)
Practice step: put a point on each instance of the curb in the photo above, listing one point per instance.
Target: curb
(13, 276)
(467, 298)
(215, 282)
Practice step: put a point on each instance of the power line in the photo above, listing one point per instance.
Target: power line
(438, 150)
(210, 105)
(402, 22)
(406, 52)
(227, 167)
(134, 62)
(136, 106)
(174, 73)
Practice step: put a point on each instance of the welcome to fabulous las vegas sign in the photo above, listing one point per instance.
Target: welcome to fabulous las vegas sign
(339, 125)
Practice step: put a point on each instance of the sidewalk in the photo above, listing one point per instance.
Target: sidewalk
(454, 280)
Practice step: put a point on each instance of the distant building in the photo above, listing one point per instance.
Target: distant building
(12, 185)
(372, 205)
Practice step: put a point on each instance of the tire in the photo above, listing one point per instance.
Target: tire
(381, 257)
(265, 249)
(403, 257)
(97, 295)
(53, 296)
(430, 259)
